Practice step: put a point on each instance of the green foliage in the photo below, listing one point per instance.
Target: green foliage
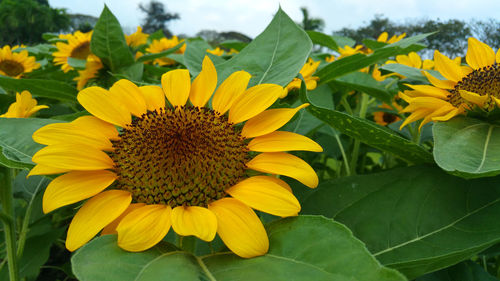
(40, 88)
(329, 252)
(24, 21)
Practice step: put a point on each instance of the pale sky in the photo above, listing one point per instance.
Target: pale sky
(252, 16)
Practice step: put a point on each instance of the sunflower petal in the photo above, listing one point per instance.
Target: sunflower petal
(176, 84)
(154, 96)
(416, 115)
(130, 96)
(281, 163)
(430, 91)
(41, 169)
(73, 157)
(204, 84)
(111, 228)
(94, 215)
(283, 141)
(264, 194)
(194, 220)
(451, 114)
(443, 84)
(254, 101)
(144, 227)
(447, 67)
(240, 228)
(479, 55)
(98, 102)
(93, 124)
(473, 97)
(68, 133)
(230, 90)
(269, 121)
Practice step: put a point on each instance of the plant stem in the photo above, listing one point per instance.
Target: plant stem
(355, 150)
(344, 156)
(6, 198)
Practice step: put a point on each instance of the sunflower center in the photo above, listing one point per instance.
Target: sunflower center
(186, 156)
(389, 118)
(11, 68)
(484, 82)
(82, 51)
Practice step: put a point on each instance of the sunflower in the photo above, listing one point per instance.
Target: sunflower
(414, 60)
(92, 67)
(78, 47)
(385, 118)
(137, 38)
(384, 37)
(307, 71)
(465, 87)
(23, 107)
(15, 64)
(183, 165)
(158, 46)
(217, 51)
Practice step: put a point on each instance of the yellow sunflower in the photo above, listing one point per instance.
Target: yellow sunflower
(92, 67)
(385, 118)
(413, 60)
(23, 107)
(465, 87)
(307, 71)
(384, 37)
(137, 38)
(158, 46)
(78, 47)
(182, 165)
(217, 51)
(15, 64)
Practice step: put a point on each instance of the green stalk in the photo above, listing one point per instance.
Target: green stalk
(6, 198)
(355, 151)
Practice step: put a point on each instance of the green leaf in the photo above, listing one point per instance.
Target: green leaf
(301, 248)
(370, 133)
(364, 82)
(4, 161)
(40, 88)
(234, 44)
(407, 71)
(196, 50)
(77, 63)
(148, 57)
(108, 42)
(464, 271)
(343, 41)
(16, 140)
(133, 72)
(358, 61)
(275, 56)
(417, 219)
(467, 147)
(323, 39)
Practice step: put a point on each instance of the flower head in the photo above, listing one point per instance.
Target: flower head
(137, 38)
(78, 47)
(465, 87)
(158, 46)
(180, 164)
(307, 72)
(15, 64)
(385, 118)
(24, 107)
(92, 67)
(384, 37)
(217, 51)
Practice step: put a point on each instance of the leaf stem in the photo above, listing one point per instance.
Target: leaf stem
(6, 198)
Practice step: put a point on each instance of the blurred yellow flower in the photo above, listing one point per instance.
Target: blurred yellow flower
(158, 46)
(91, 69)
(384, 118)
(137, 38)
(23, 107)
(78, 47)
(15, 64)
(412, 60)
(307, 71)
(383, 37)
(217, 51)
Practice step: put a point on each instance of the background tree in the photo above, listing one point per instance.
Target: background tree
(157, 17)
(24, 21)
(309, 23)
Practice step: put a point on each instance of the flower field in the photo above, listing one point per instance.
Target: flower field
(296, 156)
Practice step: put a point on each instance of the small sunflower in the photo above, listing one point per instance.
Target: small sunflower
(307, 71)
(15, 64)
(137, 38)
(384, 37)
(465, 87)
(385, 118)
(349, 51)
(23, 107)
(158, 46)
(330, 58)
(182, 166)
(78, 47)
(217, 51)
(92, 67)
(414, 60)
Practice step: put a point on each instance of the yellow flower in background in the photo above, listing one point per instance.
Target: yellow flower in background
(384, 118)
(217, 51)
(78, 47)
(412, 60)
(384, 37)
(465, 87)
(307, 71)
(232, 51)
(137, 38)
(182, 166)
(23, 107)
(15, 64)
(349, 51)
(330, 58)
(158, 46)
(92, 67)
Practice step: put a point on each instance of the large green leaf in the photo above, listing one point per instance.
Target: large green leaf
(417, 219)
(275, 56)
(15, 137)
(364, 82)
(358, 61)
(40, 88)
(301, 248)
(370, 133)
(196, 50)
(407, 71)
(467, 147)
(464, 271)
(108, 42)
(322, 39)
